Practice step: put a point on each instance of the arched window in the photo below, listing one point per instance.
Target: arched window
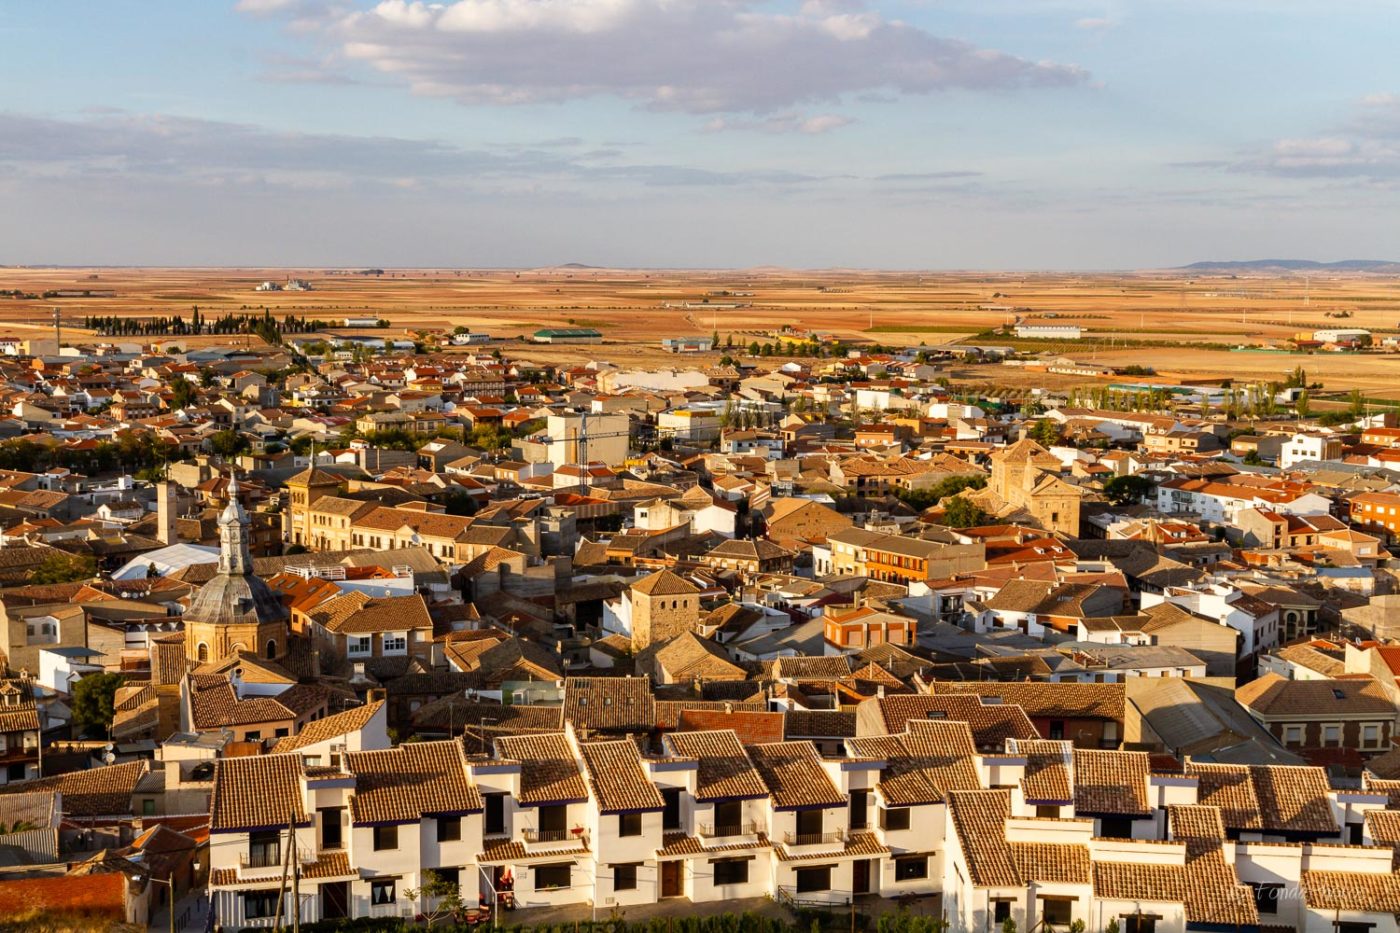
(202, 653)
(272, 648)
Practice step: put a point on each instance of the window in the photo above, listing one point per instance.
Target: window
(383, 890)
(1371, 735)
(860, 805)
(729, 814)
(671, 812)
(495, 813)
(553, 823)
(1116, 827)
(360, 644)
(264, 849)
(202, 653)
(810, 880)
(625, 877)
(1139, 923)
(629, 824)
(1001, 911)
(730, 870)
(330, 827)
(1047, 811)
(911, 868)
(395, 641)
(148, 807)
(809, 826)
(1331, 736)
(1057, 730)
(386, 837)
(259, 905)
(449, 828)
(1293, 736)
(552, 877)
(271, 648)
(1266, 897)
(895, 818)
(1057, 911)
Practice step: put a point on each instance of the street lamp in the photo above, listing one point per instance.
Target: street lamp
(170, 884)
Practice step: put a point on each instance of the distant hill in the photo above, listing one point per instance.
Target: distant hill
(1297, 265)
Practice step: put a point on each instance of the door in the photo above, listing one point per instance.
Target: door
(860, 876)
(335, 900)
(672, 878)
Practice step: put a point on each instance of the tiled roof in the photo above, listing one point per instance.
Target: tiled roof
(1280, 798)
(1273, 696)
(352, 720)
(923, 764)
(1214, 894)
(1048, 700)
(256, 792)
(1046, 778)
(1111, 782)
(752, 727)
(403, 784)
(1346, 890)
(616, 775)
(1050, 862)
(818, 724)
(679, 844)
(356, 613)
(979, 817)
(725, 771)
(218, 706)
(549, 772)
(1132, 881)
(991, 725)
(665, 583)
(794, 776)
(614, 704)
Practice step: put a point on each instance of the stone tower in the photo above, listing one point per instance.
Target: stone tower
(235, 611)
(664, 605)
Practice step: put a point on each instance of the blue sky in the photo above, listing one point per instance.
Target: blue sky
(931, 134)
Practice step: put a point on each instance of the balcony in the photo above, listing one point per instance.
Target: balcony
(556, 838)
(267, 863)
(730, 830)
(814, 839)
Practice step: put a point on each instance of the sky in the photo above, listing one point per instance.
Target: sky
(884, 134)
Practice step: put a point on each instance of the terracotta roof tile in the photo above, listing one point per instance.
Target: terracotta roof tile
(549, 772)
(616, 775)
(404, 784)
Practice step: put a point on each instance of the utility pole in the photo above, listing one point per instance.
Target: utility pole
(296, 876)
(57, 331)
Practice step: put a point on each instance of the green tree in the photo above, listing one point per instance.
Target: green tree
(182, 392)
(63, 568)
(1045, 432)
(92, 700)
(962, 512)
(1303, 404)
(1122, 490)
(227, 443)
(1356, 406)
(446, 894)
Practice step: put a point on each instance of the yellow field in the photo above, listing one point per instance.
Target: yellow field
(1188, 320)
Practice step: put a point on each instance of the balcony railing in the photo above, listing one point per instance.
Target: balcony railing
(813, 839)
(555, 835)
(723, 830)
(260, 860)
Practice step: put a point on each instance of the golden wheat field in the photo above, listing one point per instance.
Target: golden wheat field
(1170, 320)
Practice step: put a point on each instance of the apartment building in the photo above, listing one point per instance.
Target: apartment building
(1036, 831)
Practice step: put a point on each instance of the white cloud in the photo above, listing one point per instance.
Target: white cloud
(782, 123)
(1365, 146)
(697, 56)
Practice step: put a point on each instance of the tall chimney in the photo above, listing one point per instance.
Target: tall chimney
(165, 514)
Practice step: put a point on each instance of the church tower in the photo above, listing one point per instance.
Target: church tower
(235, 611)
